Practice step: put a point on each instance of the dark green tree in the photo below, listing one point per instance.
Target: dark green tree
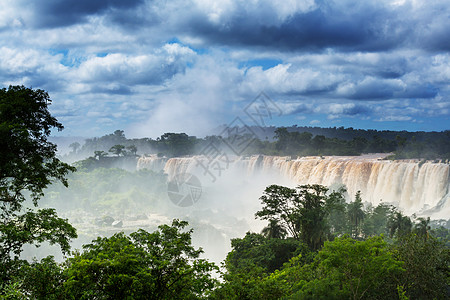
(117, 149)
(274, 230)
(350, 269)
(302, 212)
(28, 164)
(251, 259)
(426, 264)
(398, 224)
(313, 215)
(282, 205)
(356, 215)
(376, 220)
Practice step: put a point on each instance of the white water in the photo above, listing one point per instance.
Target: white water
(414, 187)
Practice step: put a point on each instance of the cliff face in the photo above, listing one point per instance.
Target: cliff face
(411, 185)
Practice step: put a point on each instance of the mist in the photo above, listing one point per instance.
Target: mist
(137, 192)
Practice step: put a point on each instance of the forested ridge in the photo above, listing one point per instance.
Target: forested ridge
(292, 141)
(315, 244)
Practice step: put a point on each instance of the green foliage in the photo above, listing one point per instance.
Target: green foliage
(176, 144)
(427, 265)
(117, 149)
(399, 225)
(27, 160)
(376, 220)
(28, 164)
(356, 215)
(12, 290)
(267, 254)
(343, 269)
(111, 190)
(292, 141)
(274, 230)
(358, 269)
(34, 228)
(303, 212)
(158, 265)
(44, 279)
(441, 234)
(253, 258)
(349, 269)
(282, 205)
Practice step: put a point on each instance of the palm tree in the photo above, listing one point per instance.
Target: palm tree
(400, 224)
(422, 228)
(274, 230)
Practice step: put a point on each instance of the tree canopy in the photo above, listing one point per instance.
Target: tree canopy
(28, 164)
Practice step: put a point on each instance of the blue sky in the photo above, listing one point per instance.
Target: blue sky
(150, 67)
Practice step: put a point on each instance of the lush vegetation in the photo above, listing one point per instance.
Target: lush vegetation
(106, 151)
(28, 164)
(343, 256)
(315, 245)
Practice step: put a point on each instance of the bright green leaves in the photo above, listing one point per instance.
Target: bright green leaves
(158, 265)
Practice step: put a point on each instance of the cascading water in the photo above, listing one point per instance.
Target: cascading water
(413, 186)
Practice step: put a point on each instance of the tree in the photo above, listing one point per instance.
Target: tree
(143, 265)
(274, 230)
(28, 160)
(75, 146)
(176, 144)
(281, 204)
(422, 228)
(100, 154)
(356, 215)
(313, 226)
(376, 220)
(117, 149)
(252, 258)
(350, 269)
(132, 149)
(399, 224)
(28, 164)
(302, 212)
(426, 264)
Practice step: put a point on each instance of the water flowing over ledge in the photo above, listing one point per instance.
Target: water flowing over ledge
(413, 186)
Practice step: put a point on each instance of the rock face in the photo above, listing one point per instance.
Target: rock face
(411, 185)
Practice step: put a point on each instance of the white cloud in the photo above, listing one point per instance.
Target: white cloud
(184, 65)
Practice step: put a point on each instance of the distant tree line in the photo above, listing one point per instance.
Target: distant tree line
(285, 142)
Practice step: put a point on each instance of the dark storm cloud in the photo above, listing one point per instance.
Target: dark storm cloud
(58, 13)
(365, 27)
(379, 60)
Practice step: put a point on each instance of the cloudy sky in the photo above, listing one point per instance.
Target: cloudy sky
(155, 66)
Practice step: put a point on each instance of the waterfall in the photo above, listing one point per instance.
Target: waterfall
(413, 186)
